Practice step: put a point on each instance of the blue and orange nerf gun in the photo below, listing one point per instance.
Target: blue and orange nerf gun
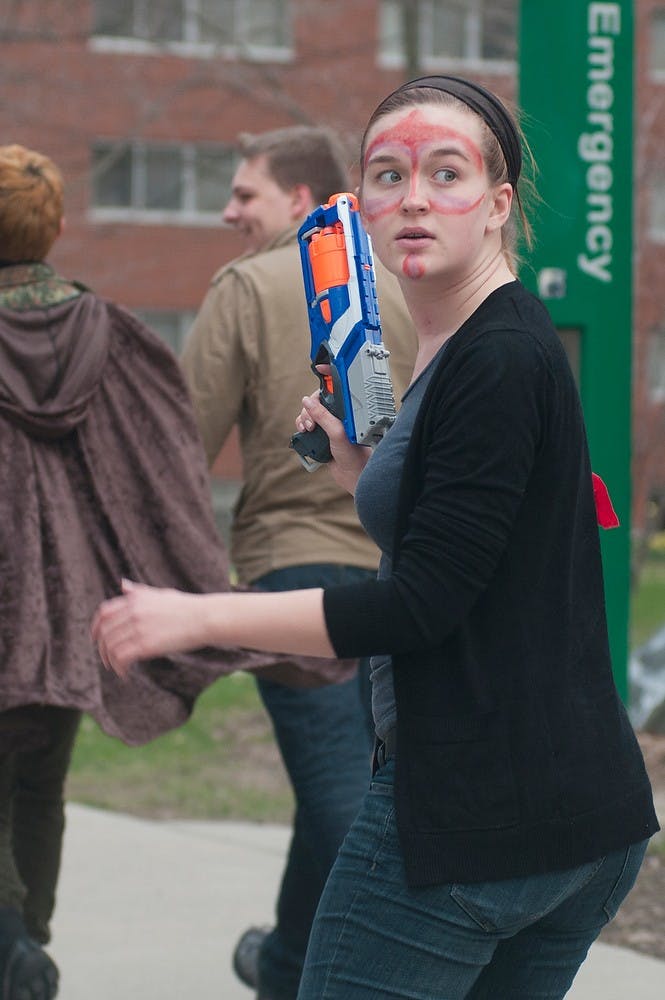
(340, 289)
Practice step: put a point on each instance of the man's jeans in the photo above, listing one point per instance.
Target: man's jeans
(520, 938)
(325, 737)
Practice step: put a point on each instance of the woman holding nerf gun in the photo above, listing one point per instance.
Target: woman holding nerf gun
(509, 809)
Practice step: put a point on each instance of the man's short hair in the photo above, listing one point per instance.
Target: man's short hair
(301, 154)
(31, 204)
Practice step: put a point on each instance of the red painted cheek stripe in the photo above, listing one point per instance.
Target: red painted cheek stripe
(377, 208)
(449, 205)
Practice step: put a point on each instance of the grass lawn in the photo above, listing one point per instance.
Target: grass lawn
(647, 609)
(223, 763)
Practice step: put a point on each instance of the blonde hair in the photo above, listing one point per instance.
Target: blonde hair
(31, 204)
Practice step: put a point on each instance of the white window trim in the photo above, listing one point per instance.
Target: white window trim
(190, 50)
(498, 67)
(156, 217)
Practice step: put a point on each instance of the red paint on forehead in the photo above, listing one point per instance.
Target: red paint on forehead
(414, 131)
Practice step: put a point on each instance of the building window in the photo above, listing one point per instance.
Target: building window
(656, 36)
(657, 366)
(156, 183)
(450, 31)
(171, 326)
(260, 28)
(656, 213)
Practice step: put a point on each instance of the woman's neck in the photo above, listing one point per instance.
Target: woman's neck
(438, 311)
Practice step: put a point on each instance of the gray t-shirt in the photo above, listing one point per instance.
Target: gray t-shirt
(376, 504)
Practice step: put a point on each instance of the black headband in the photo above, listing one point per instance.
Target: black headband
(485, 104)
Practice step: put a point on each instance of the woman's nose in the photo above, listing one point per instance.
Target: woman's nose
(415, 198)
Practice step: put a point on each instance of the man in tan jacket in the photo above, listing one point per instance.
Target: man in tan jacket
(246, 363)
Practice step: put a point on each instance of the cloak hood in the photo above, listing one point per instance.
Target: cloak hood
(51, 362)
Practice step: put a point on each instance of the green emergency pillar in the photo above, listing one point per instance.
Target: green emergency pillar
(576, 92)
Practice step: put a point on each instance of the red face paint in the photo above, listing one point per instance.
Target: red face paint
(376, 208)
(415, 137)
(414, 131)
(413, 267)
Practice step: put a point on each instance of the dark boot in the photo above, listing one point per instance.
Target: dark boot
(246, 955)
(26, 971)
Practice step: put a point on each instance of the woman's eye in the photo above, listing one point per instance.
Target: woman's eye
(389, 177)
(446, 175)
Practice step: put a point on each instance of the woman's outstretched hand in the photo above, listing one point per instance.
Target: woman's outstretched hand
(349, 459)
(145, 622)
(149, 621)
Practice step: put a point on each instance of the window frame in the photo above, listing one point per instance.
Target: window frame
(183, 322)
(136, 212)
(190, 46)
(656, 190)
(656, 74)
(473, 62)
(656, 348)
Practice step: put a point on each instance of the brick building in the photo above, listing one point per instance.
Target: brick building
(140, 101)
(649, 255)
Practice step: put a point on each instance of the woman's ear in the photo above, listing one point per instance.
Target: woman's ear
(500, 210)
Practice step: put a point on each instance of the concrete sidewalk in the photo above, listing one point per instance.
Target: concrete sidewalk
(152, 911)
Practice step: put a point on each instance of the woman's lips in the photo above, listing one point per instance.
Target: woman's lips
(413, 237)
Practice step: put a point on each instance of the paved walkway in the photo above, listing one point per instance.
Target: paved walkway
(151, 911)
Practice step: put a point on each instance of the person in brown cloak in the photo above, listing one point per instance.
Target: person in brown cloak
(104, 477)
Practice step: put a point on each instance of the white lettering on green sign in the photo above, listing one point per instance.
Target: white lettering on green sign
(595, 145)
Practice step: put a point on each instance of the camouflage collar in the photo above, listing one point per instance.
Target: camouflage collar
(33, 286)
(24, 274)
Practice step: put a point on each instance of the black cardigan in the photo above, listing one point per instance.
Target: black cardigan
(514, 752)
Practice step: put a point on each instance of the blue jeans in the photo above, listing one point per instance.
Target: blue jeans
(325, 737)
(525, 938)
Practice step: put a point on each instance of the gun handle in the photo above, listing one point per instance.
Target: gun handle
(312, 447)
